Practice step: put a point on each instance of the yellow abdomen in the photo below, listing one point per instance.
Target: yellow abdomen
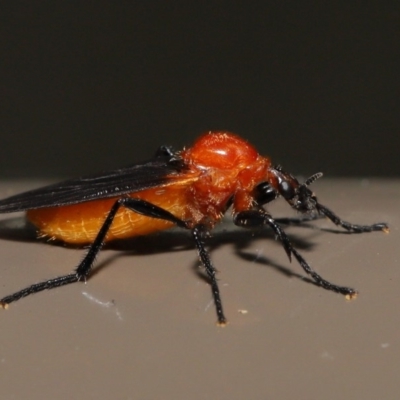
(80, 223)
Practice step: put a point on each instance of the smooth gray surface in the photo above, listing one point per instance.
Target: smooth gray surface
(158, 338)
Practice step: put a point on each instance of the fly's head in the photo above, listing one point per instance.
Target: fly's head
(298, 195)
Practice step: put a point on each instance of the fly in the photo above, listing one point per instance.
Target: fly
(191, 189)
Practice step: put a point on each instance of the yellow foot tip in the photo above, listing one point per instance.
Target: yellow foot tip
(351, 296)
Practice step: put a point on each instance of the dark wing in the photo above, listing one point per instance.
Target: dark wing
(157, 172)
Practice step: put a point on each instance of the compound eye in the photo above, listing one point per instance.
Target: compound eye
(286, 190)
(265, 193)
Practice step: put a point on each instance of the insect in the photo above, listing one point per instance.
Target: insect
(191, 189)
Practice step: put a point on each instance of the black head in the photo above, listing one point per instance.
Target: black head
(299, 196)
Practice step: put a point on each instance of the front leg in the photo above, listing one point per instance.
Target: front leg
(352, 228)
(257, 218)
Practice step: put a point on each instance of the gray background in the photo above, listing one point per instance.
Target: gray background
(87, 86)
(143, 327)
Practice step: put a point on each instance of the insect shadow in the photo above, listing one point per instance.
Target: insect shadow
(175, 240)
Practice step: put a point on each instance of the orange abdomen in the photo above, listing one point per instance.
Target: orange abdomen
(80, 223)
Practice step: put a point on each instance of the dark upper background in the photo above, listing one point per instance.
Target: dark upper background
(87, 86)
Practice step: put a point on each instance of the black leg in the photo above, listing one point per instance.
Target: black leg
(84, 268)
(347, 225)
(253, 218)
(165, 151)
(38, 287)
(198, 232)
